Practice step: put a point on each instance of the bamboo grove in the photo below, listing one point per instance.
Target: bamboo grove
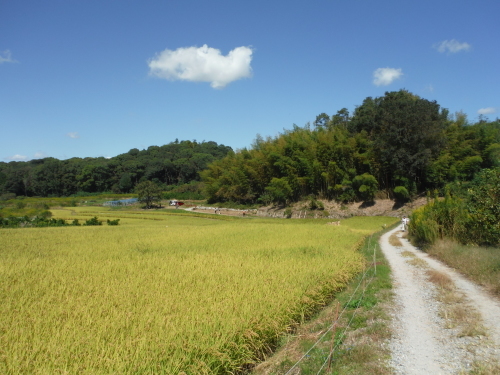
(399, 144)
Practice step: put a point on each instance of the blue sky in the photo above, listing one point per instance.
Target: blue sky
(88, 78)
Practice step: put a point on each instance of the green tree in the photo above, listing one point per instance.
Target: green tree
(341, 118)
(321, 120)
(407, 131)
(125, 182)
(148, 193)
(366, 186)
(279, 190)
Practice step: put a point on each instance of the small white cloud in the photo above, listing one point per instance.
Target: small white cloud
(203, 64)
(487, 111)
(452, 46)
(73, 135)
(40, 155)
(6, 56)
(430, 88)
(17, 157)
(385, 76)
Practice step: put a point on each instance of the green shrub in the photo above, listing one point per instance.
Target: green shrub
(401, 193)
(93, 221)
(113, 222)
(315, 205)
(472, 219)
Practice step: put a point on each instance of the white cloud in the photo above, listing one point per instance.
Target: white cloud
(73, 135)
(452, 46)
(6, 56)
(17, 157)
(385, 76)
(487, 111)
(40, 155)
(203, 64)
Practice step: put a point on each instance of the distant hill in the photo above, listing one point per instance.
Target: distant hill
(175, 163)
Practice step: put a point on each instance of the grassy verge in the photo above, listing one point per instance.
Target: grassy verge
(481, 264)
(354, 345)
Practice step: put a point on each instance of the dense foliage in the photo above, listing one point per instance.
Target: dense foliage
(148, 193)
(44, 220)
(399, 143)
(173, 164)
(470, 214)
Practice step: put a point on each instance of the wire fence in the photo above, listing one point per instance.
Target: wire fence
(367, 275)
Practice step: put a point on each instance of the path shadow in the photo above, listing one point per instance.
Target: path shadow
(367, 204)
(397, 205)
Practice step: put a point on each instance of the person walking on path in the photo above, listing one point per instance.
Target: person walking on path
(404, 221)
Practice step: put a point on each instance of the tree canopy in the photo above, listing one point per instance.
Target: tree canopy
(148, 193)
(399, 143)
(175, 163)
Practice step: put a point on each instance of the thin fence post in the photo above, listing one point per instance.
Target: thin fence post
(333, 336)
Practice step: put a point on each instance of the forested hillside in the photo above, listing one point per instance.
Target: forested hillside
(399, 143)
(172, 164)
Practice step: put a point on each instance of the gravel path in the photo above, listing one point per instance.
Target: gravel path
(422, 344)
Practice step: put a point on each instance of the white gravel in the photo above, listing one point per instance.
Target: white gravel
(422, 344)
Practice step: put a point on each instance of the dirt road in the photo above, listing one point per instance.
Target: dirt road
(425, 340)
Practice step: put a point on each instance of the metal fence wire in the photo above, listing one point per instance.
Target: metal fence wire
(334, 324)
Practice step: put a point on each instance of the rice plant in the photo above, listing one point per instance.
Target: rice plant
(164, 294)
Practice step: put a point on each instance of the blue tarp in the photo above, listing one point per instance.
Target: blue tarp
(121, 202)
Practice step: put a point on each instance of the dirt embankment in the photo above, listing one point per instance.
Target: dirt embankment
(334, 210)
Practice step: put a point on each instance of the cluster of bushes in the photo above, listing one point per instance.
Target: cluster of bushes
(46, 221)
(27, 222)
(469, 213)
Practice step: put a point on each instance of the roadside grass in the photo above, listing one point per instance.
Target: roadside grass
(455, 309)
(481, 264)
(395, 241)
(352, 345)
(485, 368)
(417, 262)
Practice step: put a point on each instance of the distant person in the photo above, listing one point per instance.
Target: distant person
(404, 222)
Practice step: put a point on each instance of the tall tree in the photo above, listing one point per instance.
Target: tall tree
(407, 131)
(148, 193)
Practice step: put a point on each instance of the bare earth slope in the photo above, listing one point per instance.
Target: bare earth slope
(424, 341)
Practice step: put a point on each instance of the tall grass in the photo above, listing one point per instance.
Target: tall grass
(481, 264)
(166, 295)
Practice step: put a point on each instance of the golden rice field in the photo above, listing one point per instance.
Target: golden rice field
(164, 294)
